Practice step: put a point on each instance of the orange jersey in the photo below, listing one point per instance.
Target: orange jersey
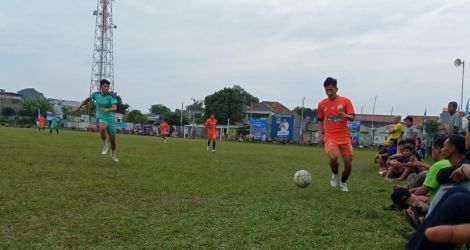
(163, 128)
(336, 126)
(211, 129)
(41, 121)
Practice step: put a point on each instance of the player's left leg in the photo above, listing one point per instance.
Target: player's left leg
(347, 155)
(103, 134)
(213, 144)
(112, 139)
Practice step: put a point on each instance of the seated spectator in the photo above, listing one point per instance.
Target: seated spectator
(402, 169)
(455, 151)
(403, 198)
(412, 164)
(420, 147)
(430, 184)
(412, 143)
(416, 206)
(384, 154)
(451, 210)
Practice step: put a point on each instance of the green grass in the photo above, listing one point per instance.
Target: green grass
(60, 192)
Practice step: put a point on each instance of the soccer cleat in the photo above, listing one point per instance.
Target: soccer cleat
(208, 148)
(213, 150)
(334, 180)
(105, 149)
(343, 186)
(164, 141)
(114, 157)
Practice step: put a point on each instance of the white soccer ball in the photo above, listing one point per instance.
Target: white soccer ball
(302, 178)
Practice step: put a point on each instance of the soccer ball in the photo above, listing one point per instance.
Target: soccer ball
(302, 178)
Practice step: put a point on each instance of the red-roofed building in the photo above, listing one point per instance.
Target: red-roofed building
(384, 120)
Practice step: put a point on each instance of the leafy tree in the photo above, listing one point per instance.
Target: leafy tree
(7, 111)
(431, 127)
(196, 111)
(228, 103)
(31, 106)
(135, 116)
(159, 109)
(121, 107)
(174, 118)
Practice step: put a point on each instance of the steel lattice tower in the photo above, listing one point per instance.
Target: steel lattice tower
(103, 65)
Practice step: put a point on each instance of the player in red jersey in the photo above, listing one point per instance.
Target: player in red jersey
(211, 132)
(334, 113)
(164, 130)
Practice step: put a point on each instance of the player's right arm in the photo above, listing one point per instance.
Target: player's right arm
(85, 102)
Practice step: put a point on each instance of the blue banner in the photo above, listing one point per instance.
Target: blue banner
(258, 127)
(354, 130)
(282, 127)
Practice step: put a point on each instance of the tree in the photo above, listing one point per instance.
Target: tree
(44, 105)
(135, 116)
(247, 98)
(31, 106)
(196, 111)
(431, 127)
(307, 112)
(198, 105)
(228, 103)
(121, 107)
(174, 118)
(159, 109)
(8, 112)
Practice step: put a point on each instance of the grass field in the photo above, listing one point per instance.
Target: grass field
(60, 192)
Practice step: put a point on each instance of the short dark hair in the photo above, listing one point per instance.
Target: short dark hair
(458, 141)
(408, 147)
(409, 118)
(454, 104)
(439, 141)
(401, 142)
(330, 81)
(104, 81)
(399, 196)
(393, 141)
(410, 141)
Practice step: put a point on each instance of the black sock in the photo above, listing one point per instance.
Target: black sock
(213, 145)
(208, 143)
(335, 171)
(344, 179)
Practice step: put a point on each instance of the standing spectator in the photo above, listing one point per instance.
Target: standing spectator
(396, 130)
(464, 121)
(410, 131)
(455, 123)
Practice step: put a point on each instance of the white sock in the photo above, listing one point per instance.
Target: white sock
(105, 143)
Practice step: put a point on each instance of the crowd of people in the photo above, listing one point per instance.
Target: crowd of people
(436, 198)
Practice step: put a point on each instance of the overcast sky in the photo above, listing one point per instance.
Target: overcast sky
(171, 51)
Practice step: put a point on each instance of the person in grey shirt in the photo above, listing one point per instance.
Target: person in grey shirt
(410, 131)
(455, 123)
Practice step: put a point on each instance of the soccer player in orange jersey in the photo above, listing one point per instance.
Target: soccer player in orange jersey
(211, 132)
(334, 113)
(164, 130)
